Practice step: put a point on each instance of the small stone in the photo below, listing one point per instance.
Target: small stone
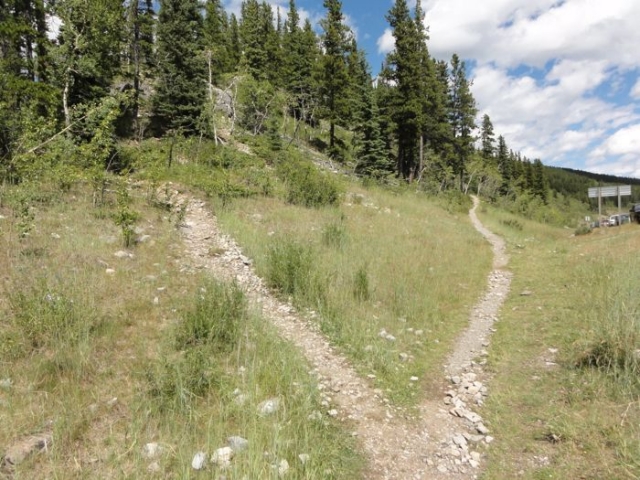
(333, 412)
(403, 357)
(144, 238)
(460, 441)
(283, 467)
(240, 399)
(526, 293)
(475, 456)
(156, 301)
(199, 459)
(442, 468)
(488, 439)
(123, 254)
(238, 444)
(269, 406)
(473, 417)
(474, 463)
(455, 380)
(6, 383)
(56, 236)
(112, 402)
(109, 271)
(154, 467)
(482, 429)
(414, 379)
(419, 332)
(151, 450)
(222, 457)
(304, 458)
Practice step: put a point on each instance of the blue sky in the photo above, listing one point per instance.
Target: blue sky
(559, 79)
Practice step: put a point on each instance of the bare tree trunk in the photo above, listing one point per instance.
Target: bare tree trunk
(213, 105)
(65, 101)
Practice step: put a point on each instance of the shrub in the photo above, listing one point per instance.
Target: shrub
(583, 230)
(334, 235)
(216, 320)
(290, 269)
(361, 289)
(513, 223)
(306, 186)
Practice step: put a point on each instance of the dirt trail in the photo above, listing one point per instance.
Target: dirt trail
(398, 447)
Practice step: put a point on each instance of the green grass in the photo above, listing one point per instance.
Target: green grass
(571, 413)
(392, 261)
(87, 338)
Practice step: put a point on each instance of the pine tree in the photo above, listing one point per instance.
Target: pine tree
(539, 187)
(180, 91)
(462, 117)
(372, 155)
(216, 39)
(253, 39)
(406, 68)
(504, 165)
(487, 139)
(335, 77)
(235, 48)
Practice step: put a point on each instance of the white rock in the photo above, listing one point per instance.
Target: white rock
(56, 236)
(222, 457)
(123, 254)
(304, 458)
(199, 459)
(488, 439)
(414, 379)
(460, 441)
(482, 429)
(109, 271)
(156, 301)
(403, 357)
(151, 450)
(333, 412)
(419, 332)
(6, 383)
(238, 444)
(269, 406)
(283, 467)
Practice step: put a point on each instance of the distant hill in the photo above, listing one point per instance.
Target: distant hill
(575, 183)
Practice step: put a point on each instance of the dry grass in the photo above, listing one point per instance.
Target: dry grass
(88, 377)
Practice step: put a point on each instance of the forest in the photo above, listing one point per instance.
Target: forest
(78, 80)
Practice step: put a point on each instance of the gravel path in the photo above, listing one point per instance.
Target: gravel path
(446, 440)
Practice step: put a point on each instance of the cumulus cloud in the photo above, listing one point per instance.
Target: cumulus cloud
(386, 42)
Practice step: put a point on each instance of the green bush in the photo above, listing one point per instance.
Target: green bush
(291, 270)
(306, 186)
(583, 230)
(513, 223)
(361, 289)
(217, 319)
(334, 235)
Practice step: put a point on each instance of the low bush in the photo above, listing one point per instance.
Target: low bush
(291, 270)
(306, 186)
(583, 230)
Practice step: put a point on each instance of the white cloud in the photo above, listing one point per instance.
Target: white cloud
(635, 90)
(386, 42)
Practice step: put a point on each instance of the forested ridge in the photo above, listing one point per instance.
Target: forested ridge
(113, 72)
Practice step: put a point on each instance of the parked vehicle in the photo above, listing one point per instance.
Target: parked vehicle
(634, 212)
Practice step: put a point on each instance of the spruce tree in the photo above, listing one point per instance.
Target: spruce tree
(372, 154)
(462, 117)
(253, 39)
(180, 90)
(235, 48)
(539, 187)
(335, 77)
(216, 39)
(487, 139)
(504, 165)
(406, 69)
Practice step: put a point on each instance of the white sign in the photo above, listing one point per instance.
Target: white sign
(622, 191)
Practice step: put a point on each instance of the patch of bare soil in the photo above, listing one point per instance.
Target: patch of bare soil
(446, 440)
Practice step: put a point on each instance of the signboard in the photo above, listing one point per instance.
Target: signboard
(601, 192)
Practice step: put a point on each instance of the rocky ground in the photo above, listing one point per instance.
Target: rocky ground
(448, 438)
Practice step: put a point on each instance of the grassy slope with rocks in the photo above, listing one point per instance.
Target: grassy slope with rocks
(564, 358)
(97, 349)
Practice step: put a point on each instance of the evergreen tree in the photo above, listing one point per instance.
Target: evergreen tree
(407, 70)
(539, 181)
(462, 117)
(372, 156)
(216, 39)
(487, 139)
(140, 57)
(253, 39)
(335, 77)
(180, 90)
(235, 48)
(504, 165)
(272, 45)
(87, 57)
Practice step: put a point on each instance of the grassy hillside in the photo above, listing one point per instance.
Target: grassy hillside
(564, 357)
